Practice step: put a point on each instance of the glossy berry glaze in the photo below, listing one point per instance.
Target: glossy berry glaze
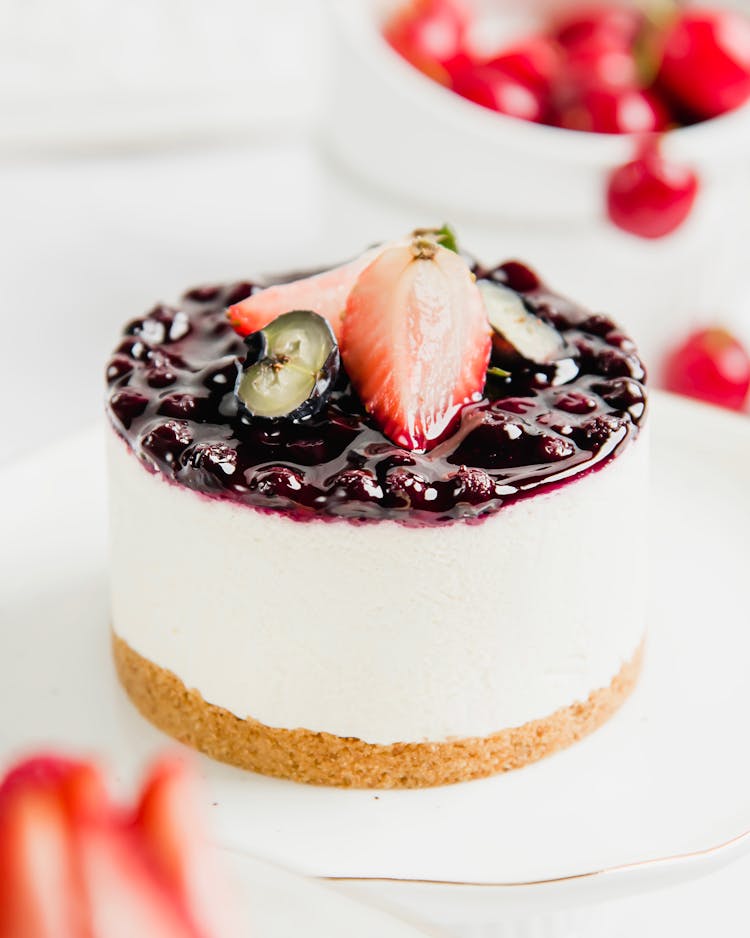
(171, 397)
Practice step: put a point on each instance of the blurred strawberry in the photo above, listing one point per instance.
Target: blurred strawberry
(74, 866)
(711, 365)
(40, 882)
(706, 61)
(169, 797)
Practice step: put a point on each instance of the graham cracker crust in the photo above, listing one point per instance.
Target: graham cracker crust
(325, 759)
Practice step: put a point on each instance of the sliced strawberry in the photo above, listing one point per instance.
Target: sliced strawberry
(40, 889)
(169, 823)
(415, 341)
(125, 896)
(323, 293)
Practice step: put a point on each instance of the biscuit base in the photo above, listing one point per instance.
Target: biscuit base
(325, 759)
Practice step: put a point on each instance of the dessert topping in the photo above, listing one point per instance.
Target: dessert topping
(325, 293)
(290, 368)
(415, 340)
(518, 333)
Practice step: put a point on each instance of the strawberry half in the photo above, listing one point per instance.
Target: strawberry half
(415, 340)
(323, 293)
(72, 865)
(124, 896)
(180, 849)
(40, 884)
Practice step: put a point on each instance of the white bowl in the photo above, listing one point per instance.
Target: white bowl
(407, 133)
(514, 188)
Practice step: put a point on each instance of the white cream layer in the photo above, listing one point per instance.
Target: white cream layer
(379, 631)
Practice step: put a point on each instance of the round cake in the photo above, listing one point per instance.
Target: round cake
(379, 526)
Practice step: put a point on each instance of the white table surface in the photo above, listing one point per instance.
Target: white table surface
(87, 242)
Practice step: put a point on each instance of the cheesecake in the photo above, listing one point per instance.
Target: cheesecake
(378, 526)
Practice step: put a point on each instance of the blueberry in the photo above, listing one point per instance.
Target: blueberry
(518, 334)
(221, 376)
(290, 368)
(203, 294)
(575, 402)
(471, 485)
(119, 367)
(133, 347)
(555, 448)
(357, 484)
(275, 481)
(128, 404)
(517, 276)
(621, 393)
(597, 324)
(595, 432)
(239, 292)
(216, 459)
(160, 377)
(184, 406)
(407, 489)
(166, 442)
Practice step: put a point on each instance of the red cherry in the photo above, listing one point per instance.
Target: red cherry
(598, 65)
(597, 44)
(710, 365)
(650, 197)
(605, 111)
(535, 61)
(706, 61)
(498, 90)
(429, 34)
(607, 23)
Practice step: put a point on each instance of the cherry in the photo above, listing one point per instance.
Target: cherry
(650, 197)
(597, 43)
(607, 111)
(429, 34)
(608, 23)
(706, 61)
(710, 365)
(497, 89)
(534, 61)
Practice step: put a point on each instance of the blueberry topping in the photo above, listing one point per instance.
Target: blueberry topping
(290, 368)
(173, 401)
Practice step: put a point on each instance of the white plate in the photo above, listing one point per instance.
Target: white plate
(279, 904)
(668, 777)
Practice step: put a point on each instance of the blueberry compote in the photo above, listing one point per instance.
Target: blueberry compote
(171, 397)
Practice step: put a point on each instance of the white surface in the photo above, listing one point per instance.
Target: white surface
(378, 631)
(665, 776)
(95, 75)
